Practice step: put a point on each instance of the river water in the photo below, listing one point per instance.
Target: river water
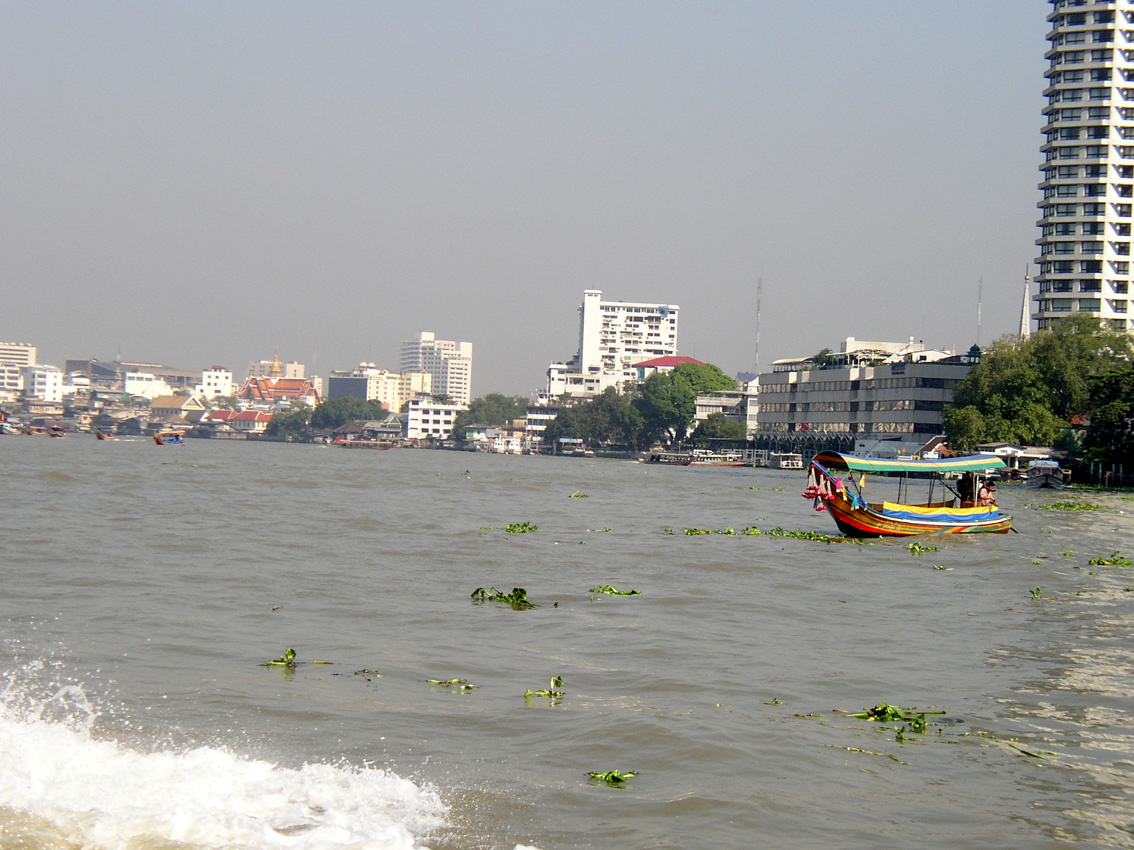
(144, 586)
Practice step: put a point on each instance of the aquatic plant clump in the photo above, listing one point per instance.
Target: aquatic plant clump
(606, 588)
(886, 713)
(517, 599)
(285, 660)
(613, 778)
(1115, 560)
(552, 692)
(520, 528)
(455, 684)
(1070, 506)
(917, 548)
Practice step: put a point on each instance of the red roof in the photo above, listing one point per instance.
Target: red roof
(273, 389)
(667, 362)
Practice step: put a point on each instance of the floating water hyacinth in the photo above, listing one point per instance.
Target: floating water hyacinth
(1115, 560)
(551, 693)
(456, 684)
(917, 548)
(613, 778)
(606, 588)
(520, 528)
(517, 599)
(886, 713)
(285, 660)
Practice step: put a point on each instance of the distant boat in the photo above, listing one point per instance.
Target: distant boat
(169, 438)
(856, 517)
(1046, 473)
(56, 431)
(104, 435)
(702, 457)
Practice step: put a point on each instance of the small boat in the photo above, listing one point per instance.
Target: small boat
(785, 460)
(104, 435)
(1045, 473)
(953, 511)
(169, 438)
(56, 431)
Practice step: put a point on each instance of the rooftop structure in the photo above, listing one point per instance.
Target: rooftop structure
(1088, 168)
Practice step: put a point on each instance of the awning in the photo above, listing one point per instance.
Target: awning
(969, 463)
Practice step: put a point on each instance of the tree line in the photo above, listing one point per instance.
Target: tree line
(1071, 386)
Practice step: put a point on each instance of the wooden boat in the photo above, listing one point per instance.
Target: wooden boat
(1045, 473)
(951, 513)
(169, 438)
(104, 435)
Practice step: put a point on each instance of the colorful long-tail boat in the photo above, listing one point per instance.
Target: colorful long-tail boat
(954, 511)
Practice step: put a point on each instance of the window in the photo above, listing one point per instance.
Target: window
(1096, 151)
(1072, 76)
(1068, 153)
(1062, 247)
(1069, 134)
(1090, 266)
(1072, 95)
(1119, 306)
(1098, 93)
(1093, 228)
(1090, 305)
(1062, 267)
(1064, 229)
(1068, 191)
(1093, 209)
(1059, 305)
(1065, 209)
(1120, 267)
(1090, 286)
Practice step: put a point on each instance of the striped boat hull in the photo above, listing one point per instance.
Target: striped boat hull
(857, 521)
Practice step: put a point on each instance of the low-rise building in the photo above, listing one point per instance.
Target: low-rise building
(429, 420)
(177, 408)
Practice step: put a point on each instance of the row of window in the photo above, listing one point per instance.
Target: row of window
(1120, 267)
(1089, 209)
(1120, 248)
(1079, 19)
(1117, 324)
(856, 386)
(1086, 228)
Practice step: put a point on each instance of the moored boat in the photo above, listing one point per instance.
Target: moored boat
(169, 438)
(104, 435)
(701, 457)
(952, 512)
(1045, 473)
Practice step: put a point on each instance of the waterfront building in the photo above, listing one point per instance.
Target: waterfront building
(449, 363)
(427, 419)
(855, 403)
(179, 408)
(1088, 168)
(614, 336)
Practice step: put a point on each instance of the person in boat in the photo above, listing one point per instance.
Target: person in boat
(986, 496)
(965, 490)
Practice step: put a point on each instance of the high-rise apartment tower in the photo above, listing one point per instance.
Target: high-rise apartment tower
(1088, 168)
(449, 363)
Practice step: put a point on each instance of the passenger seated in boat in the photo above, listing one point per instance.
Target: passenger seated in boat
(965, 491)
(986, 497)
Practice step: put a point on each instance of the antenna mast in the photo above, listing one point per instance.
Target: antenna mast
(759, 294)
(979, 305)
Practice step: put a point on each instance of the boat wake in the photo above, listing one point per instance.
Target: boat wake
(61, 787)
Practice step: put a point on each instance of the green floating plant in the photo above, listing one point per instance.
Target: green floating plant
(552, 691)
(1037, 593)
(1070, 506)
(578, 494)
(1115, 560)
(455, 684)
(886, 713)
(285, 660)
(517, 599)
(606, 588)
(613, 778)
(917, 548)
(520, 528)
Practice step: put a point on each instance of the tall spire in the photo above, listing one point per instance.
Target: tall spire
(1025, 317)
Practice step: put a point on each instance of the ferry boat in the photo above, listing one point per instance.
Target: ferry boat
(952, 512)
(703, 457)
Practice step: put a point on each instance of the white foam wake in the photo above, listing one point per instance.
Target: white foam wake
(59, 787)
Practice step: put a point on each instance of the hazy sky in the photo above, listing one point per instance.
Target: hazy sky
(212, 183)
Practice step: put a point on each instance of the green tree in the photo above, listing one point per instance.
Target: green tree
(290, 423)
(1028, 391)
(668, 400)
(609, 419)
(718, 427)
(1110, 435)
(493, 409)
(333, 414)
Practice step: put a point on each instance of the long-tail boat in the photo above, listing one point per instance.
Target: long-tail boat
(953, 511)
(169, 438)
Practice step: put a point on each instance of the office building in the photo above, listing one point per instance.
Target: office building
(1088, 168)
(450, 364)
(614, 336)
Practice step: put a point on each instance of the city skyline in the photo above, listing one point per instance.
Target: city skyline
(209, 183)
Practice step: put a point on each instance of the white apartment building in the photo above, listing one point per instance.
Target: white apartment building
(44, 383)
(11, 382)
(613, 337)
(146, 385)
(367, 381)
(426, 419)
(18, 354)
(1088, 168)
(215, 381)
(450, 364)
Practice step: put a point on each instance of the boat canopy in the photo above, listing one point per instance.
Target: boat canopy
(969, 463)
